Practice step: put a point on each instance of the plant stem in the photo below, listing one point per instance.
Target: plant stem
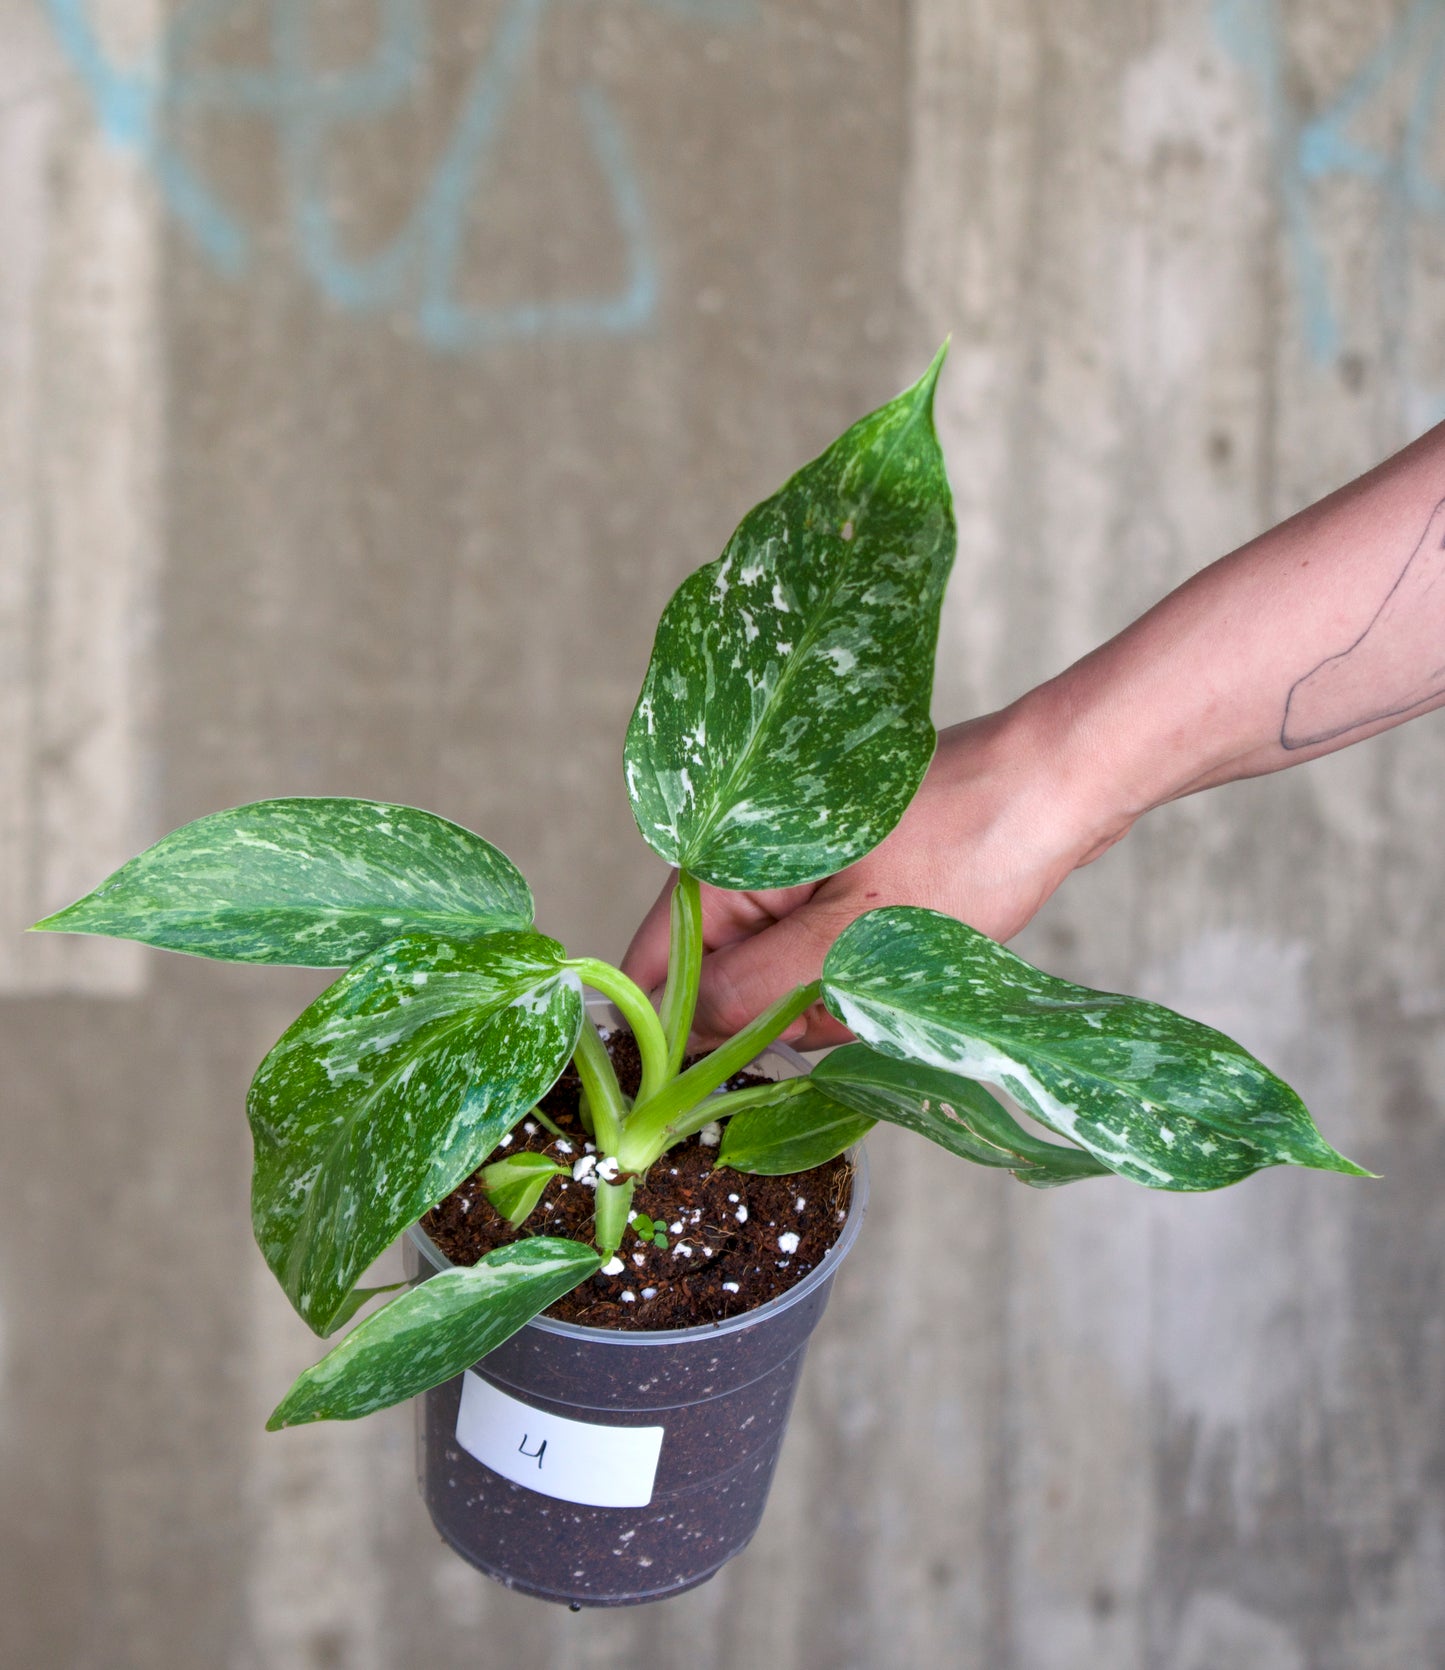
(614, 1209)
(653, 1125)
(733, 1101)
(684, 967)
(584, 1113)
(639, 1014)
(600, 1086)
(542, 1119)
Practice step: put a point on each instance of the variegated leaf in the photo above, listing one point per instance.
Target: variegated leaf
(438, 1329)
(392, 1087)
(316, 882)
(783, 725)
(814, 1118)
(1160, 1099)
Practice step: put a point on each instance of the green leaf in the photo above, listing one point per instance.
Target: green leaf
(957, 1113)
(514, 1186)
(438, 1329)
(1158, 1098)
(316, 882)
(796, 1127)
(783, 725)
(392, 1087)
(815, 1118)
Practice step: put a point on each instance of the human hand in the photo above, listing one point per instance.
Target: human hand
(995, 827)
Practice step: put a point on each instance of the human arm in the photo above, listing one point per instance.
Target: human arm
(1321, 632)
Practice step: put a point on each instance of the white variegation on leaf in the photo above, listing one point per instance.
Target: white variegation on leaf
(783, 725)
(812, 1119)
(1158, 1098)
(782, 730)
(438, 1329)
(313, 882)
(390, 1089)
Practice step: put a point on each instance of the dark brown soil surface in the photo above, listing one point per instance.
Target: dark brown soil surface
(722, 1227)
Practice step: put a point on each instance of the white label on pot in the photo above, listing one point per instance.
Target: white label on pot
(577, 1461)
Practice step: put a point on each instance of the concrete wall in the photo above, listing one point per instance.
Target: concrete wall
(369, 373)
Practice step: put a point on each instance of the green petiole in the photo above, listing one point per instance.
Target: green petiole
(614, 1208)
(684, 967)
(542, 1119)
(655, 1124)
(639, 1014)
(605, 1100)
(734, 1101)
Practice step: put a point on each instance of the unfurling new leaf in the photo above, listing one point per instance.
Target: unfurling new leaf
(513, 1186)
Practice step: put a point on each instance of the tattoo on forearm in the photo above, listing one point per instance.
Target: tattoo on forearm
(1396, 665)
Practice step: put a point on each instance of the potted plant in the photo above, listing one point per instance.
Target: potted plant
(782, 729)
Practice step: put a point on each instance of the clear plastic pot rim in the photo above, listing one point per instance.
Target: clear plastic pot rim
(826, 1269)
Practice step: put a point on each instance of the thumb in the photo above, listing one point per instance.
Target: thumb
(739, 981)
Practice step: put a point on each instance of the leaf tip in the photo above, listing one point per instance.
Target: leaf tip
(294, 1411)
(1347, 1168)
(58, 922)
(926, 384)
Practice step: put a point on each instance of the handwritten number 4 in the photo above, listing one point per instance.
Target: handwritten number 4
(539, 1453)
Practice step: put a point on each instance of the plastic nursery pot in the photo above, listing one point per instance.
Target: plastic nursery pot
(599, 1467)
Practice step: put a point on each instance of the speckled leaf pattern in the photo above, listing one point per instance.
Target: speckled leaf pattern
(815, 1118)
(960, 1115)
(391, 1088)
(783, 725)
(812, 1119)
(316, 882)
(438, 1329)
(1158, 1098)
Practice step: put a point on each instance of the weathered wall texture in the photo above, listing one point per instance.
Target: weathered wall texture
(369, 373)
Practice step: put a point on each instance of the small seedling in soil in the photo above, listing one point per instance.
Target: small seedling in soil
(782, 730)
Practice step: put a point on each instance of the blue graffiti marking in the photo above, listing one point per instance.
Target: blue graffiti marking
(137, 105)
(1309, 151)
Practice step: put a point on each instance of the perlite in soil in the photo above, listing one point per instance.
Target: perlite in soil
(781, 731)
